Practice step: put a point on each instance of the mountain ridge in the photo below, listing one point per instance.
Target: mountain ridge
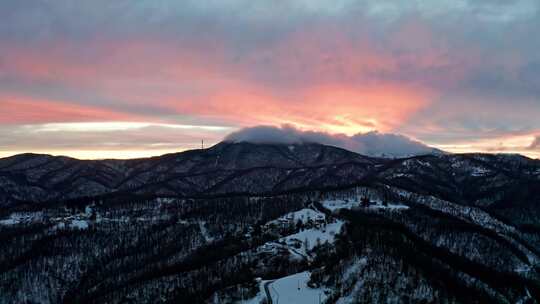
(247, 168)
(435, 152)
(202, 225)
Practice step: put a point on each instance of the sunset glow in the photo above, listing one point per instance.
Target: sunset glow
(149, 78)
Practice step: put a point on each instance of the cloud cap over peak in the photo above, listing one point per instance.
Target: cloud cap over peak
(371, 143)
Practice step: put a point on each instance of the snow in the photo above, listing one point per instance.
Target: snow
(77, 221)
(354, 268)
(327, 233)
(72, 224)
(316, 231)
(334, 205)
(391, 207)
(88, 210)
(79, 224)
(8, 222)
(18, 218)
(472, 169)
(293, 289)
(524, 268)
(352, 280)
(470, 214)
(259, 297)
(479, 217)
(401, 175)
(527, 298)
(204, 232)
(479, 171)
(304, 215)
(296, 243)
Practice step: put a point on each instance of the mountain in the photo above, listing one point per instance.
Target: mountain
(243, 221)
(267, 169)
(223, 169)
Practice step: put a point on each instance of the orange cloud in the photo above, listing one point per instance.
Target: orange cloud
(301, 80)
(350, 110)
(312, 83)
(331, 108)
(339, 84)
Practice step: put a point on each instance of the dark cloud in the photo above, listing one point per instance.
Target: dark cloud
(371, 143)
(448, 37)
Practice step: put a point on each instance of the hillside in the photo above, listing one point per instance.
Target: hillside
(237, 223)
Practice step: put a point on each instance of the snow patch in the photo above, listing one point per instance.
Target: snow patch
(204, 232)
(293, 289)
(9, 222)
(304, 215)
(79, 224)
(260, 297)
(390, 206)
(18, 218)
(334, 205)
(479, 171)
(309, 238)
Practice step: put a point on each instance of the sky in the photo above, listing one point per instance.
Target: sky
(122, 79)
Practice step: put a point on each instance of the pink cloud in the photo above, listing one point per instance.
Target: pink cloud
(19, 110)
(319, 78)
(301, 79)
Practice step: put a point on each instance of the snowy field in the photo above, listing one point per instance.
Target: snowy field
(314, 236)
(294, 290)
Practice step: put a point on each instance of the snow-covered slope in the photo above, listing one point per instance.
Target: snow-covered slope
(294, 289)
(218, 225)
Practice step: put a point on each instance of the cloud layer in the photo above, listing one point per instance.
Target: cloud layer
(370, 143)
(459, 75)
